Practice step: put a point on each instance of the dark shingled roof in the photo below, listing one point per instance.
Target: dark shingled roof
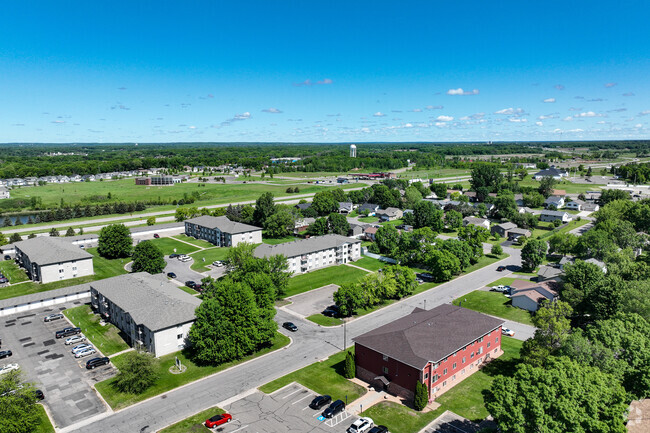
(428, 335)
(223, 224)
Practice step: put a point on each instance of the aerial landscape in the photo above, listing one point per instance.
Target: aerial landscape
(360, 217)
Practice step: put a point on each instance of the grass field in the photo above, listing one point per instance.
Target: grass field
(283, 240)
(106, 338)
(368, 219)
(495, 304)
(198, 242)
(370, 263)
(45, 425)
(13, 272)
(319, 319)
(341, 274)
(569, 187)
(170, 245)
(168, 381)
(322, 377)
(195, 423)
(210, 255)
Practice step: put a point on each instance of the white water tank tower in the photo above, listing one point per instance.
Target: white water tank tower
(353, 151)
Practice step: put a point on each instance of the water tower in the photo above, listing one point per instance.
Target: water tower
(353, 151)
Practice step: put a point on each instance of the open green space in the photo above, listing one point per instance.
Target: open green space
(13, 272)
(339, 275)
(210, 255)
(495, 304)
(170, 245)
(106, 338)
(167, 381)
(370, 263)
(44, 425)
(466, 399)
(275, 241)
(324, 377)
(195, 423)
(104, 268)
(321, 320)
(505, 281)
(198, 242)
(368, 219)
(569, 187)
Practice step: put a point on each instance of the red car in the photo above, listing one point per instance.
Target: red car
(218, 420)
(156, 235)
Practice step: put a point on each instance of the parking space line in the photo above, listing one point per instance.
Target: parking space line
(240, 428)
(301, 399)
(289, 395)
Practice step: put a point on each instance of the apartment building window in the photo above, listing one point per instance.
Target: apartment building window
(444, 372)
(385, 370)
(74, 268)
(426, 376)
(60, 271)
(384, 357)
(496, 340)
(453, 367)
(488, 345)
(179, 336)
(480, 340)
(471, 355)
(464, 358)
(480, 350)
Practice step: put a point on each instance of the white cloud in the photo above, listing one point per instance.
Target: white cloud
(433, 107)
(638, 125)
(547, 116)
(539, 123)
(549, 100)
(308, 82)
(460, 91)
(588, 114)
(610, 84)
(444, 118)
(243, 116)
(644, 113)
(272, 110)
(379, 114)
(416, 110)
(408, 125)
(510, 111)
(517, 120)
(568, 119)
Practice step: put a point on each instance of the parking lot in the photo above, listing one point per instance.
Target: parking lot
(286, 410)
(182, 270)
(312, 302)
(49, 363)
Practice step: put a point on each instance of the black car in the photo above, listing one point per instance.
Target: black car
(171, 275)
(97, 362)
(3, 280)
(320, 401)
(335, 408)
(173, 256)
(379, 429)
(425, 277)
(7, 257)
(67, 332)
(331, 311)
(39, 394)
(501, 268)
(5, 354)
(290, 326)
(190, 284)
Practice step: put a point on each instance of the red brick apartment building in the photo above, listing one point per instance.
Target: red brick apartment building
(438, 347)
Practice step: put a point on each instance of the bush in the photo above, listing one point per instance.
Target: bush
(137, 373)
(421, 396)
(350, 367)
(557, 223)
(497, 250)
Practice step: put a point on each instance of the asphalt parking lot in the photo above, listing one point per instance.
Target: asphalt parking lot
(49, 363)
(286, 410)
(312, 302)
(182, 270)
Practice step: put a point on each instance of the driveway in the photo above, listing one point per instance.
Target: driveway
(49, 363)
(582, 229)
(312, 302)
(182, 270)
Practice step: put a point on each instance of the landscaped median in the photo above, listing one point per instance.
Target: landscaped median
(195, 423)
(104, 337)
(167, 381)
(45, 425)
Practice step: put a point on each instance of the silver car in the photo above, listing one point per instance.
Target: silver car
(75, 339)
(85, 352)
(81, 347)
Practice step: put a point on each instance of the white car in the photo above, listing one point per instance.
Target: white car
(508, 332)
(9, 367)
(85, 352)
(184, 258)
(361, 425)
(80, 347)
(500, 288)
(217, 264)
(75, 339)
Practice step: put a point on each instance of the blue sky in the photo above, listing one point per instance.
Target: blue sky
(295, 71)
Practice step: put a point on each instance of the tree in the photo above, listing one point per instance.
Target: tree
(148, 258)
(453, 219)
(533, 254)
(387, 238)
(534, 199)
(474, 236)
(3, 239)
(563, 396)
(486, 175)
(384, 196)
(138, 372)
(609, 195)
(439, 189)
(411, 197)
(348, 298)
(421, 398)
(338, 224)
(461, 249)
(15, 237)
(426, 214)
(151, 221)
(19, 412)
(7, 222)
(497, 250)
(595, 243)
(442, 264)
(562, 243)
(546, 186)
(522, 173)
(318, 227)
(404, 278)
(264, 208)
(324, 203)
(115, 242)
(30, 236)
(70, 232)
(54, 232)
(350, 370)
(279, 224)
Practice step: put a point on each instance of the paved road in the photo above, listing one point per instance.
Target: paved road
(311, 343)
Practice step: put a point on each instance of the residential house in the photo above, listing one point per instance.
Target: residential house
(576, 204)
(527, 295)
(503, 228)
(303, 206)
(553, 215)
(389, 214)
(48, 259)
(555, 173)
(150, 311)
(221, 231)
(555, 201)
(590, 207)
(516, 233)
(357, 230)
(4, 193)
(302, 224)
(370, 232)
(438, 347)
(549, 273)
(316, 252)
(471, 195)
(600, 264)
(345, 207)
(370, 207)
(519, 200)
(479, 222)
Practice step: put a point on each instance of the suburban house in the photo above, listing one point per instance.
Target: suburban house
(302, 224)
(4, 193)
(554, 201)
(478, 222)
(527, 295)
(555, 173)
(600, 264)
(438, 347)
(516, 233)
(370, 232)
(47, 259)
(370, 207)
(471, 195)
(554, 215)
(590, 207)
(345, 207)
(519, 200)
(316, 252)
(503, 229)
(357, 230)
(221, 231)
(575, 205)
(389, 214)
(548, 273)
(303, 206)
(151, 312)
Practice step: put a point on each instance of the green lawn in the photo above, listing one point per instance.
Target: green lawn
(188, 290)
(392, 223)
(339, 275)
(322, 377)
(210, 255)
(168, 381)
(505, 281)
(13, 272)
(400, 418)
(283, 240)
(170, 245)
(106, 338)
(494, 303)
(569, 187)
(368, 219)
(198, 242)
(319, 319)
(105, 268)
(45, 425)
(370, 263)
(195, 423)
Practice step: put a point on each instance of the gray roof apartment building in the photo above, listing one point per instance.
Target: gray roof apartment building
(48, 259)
(152, 312)
(222, 232)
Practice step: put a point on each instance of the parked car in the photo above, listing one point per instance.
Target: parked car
(217, 264)
(66, 332)
(290, 326)
(5, 354)
(335, 408)
(320, 401)
(9, 367)
(171, 275)
(51, 317)
(331, 311)
(3, 280)
(500, 288)
(173, 256)
(7, 257)
(379, 429)
(218, 420)
(39, 394)
(85, 352)
(156, 235)
(75, 339)
(508, 332)
(501, 268)
(425, 276)
(184, 258)
(190, 284)
(80, 347)
(96, 362)
(361, 425)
